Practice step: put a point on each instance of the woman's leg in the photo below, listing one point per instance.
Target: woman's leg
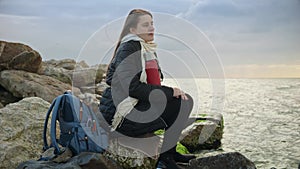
(173, 119)
(136, 129)
(175, 115)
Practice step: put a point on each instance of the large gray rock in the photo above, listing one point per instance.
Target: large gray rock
(205, 133)
(21, 128)
(24, 84)
(87, 77)
(84, 160)
(61, 70)
(79, 74)
(68, 64)
(59, 73)
(133, 153)
(140, 153)
(233, 160)
(19, 57)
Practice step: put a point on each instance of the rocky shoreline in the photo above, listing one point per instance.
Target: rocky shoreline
(27, 87)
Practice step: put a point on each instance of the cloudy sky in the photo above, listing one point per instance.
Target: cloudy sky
(249, 38)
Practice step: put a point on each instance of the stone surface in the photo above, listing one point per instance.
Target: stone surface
(83, 64)
(68, 64)
(205, 133)
(58, 73)
(19, 57)
(97, 89)
(6, 97)
(126, 153)
(87, 77)
(21, 128)
(128, 157)
(232, 160)
(84, 160)
(61, 70)
(24, 84)
(76, 74)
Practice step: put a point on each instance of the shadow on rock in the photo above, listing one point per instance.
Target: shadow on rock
(84, 160)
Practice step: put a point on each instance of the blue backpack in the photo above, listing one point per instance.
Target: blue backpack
(79, 127)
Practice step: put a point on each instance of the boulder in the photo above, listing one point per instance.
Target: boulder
(6, 97)
(134, 153)
(97, 89)
(61, 70)
(205, 133)
(58, 73)
(24, 84)
(224, 161)
(76, 74)
(87, 77)
(83, 64)
(68, 64)
(84, 160)
(18, 56)
(21, 128)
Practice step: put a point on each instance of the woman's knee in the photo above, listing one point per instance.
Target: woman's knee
(190, 100)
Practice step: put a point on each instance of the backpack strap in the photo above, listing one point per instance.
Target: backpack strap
(54, 110)
(46, 125)
(53, 124)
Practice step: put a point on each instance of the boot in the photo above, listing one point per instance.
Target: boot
(166, 161)
(172, 133)
(180, 157)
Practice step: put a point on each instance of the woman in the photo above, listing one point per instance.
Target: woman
(135, 103)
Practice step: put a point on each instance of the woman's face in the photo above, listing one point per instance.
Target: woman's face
(144, 28)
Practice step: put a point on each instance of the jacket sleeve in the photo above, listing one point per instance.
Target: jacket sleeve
(128, 73)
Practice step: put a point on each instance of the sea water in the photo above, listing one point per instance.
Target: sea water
(261, 116)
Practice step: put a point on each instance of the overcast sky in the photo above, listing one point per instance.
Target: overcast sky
(253, 38)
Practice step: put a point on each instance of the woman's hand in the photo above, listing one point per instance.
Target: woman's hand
(177, 92)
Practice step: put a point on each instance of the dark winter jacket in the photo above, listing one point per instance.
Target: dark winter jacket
(123, 78)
